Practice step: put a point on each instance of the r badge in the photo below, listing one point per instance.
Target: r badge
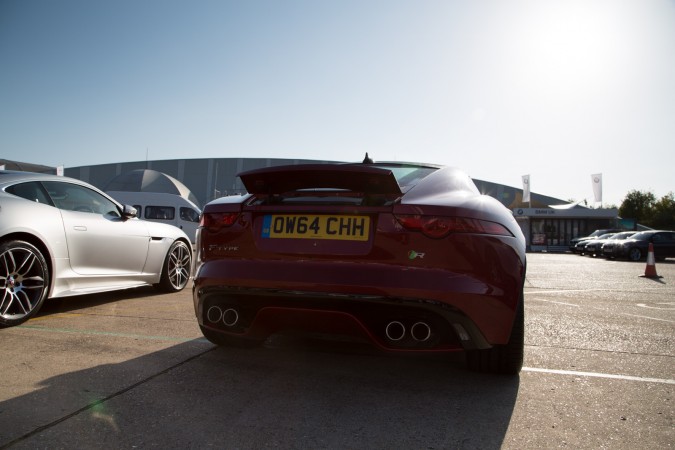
(412, 254)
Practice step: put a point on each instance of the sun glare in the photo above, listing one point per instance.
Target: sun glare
(569, 47)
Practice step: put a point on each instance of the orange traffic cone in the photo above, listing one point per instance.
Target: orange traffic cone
(650, 270)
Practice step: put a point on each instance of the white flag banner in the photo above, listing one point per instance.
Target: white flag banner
(597, 186)
(526, 188)
(2, 167)
(59, 171)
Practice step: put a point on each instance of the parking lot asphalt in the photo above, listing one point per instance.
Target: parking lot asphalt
(131, 370)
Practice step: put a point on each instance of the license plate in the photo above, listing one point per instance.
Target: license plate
(294, 226)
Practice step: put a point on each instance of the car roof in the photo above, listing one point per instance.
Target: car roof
(9, 177)
(650, 233)
(13, 176)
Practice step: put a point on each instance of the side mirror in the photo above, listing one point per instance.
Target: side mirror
(129, 212)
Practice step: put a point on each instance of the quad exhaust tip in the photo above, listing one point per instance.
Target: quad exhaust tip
(396, 331)
(421, 332)
(229, 317)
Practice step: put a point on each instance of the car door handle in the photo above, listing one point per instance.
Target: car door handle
(80, 228)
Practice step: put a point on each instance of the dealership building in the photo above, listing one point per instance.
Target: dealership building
(548, 223)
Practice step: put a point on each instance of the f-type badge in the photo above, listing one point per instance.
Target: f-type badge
(223, 248)
(412, 254)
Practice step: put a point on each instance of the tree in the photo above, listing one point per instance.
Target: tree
(638, 205)
(663, 215)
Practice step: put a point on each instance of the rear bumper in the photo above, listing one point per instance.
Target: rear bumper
(464, 311)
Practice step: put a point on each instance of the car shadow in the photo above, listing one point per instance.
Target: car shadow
(289, 393)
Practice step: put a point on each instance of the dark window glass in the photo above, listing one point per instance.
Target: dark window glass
(160, 212)
(189, 214)
(30, 191)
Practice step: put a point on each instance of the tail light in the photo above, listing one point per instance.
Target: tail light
(215, 221)
(438, 227)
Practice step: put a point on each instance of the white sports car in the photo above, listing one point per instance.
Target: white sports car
(61, 237)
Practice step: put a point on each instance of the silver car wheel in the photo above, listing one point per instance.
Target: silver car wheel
(24, 282)
(179, 265)
(177, 268)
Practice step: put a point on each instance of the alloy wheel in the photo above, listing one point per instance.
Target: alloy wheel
(635, 254)
(179, 266)
(23, 282)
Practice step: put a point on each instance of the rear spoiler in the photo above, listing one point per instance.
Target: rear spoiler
(353, 177)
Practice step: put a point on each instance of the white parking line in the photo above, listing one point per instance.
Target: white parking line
(647, 317)
(601, 309)
(599, 375)
(553, 301)
(670, 304)
(563, 291)
(535, 290)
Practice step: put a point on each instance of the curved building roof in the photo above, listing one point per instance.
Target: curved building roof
(148, 180)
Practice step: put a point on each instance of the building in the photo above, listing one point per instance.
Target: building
(548, 223)
(551, 229)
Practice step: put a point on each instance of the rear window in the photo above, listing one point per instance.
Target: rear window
(408, 175)
(31, 191)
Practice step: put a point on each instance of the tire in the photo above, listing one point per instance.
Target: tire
(503, 359)
(226, 340)
(635, 254)
(24, 282)
(176, 269)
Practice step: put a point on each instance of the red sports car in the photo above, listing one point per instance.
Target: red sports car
(410, 257)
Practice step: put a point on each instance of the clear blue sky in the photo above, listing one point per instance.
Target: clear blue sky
(558, 90)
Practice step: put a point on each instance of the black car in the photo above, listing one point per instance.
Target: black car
(591, 247)
(596, 247)
(636, 247)
(593, 235)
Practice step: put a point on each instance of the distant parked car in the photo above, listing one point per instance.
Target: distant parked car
(595, 234)
(61, 237)
(591, 247)
(598, 248)
(636, 247)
